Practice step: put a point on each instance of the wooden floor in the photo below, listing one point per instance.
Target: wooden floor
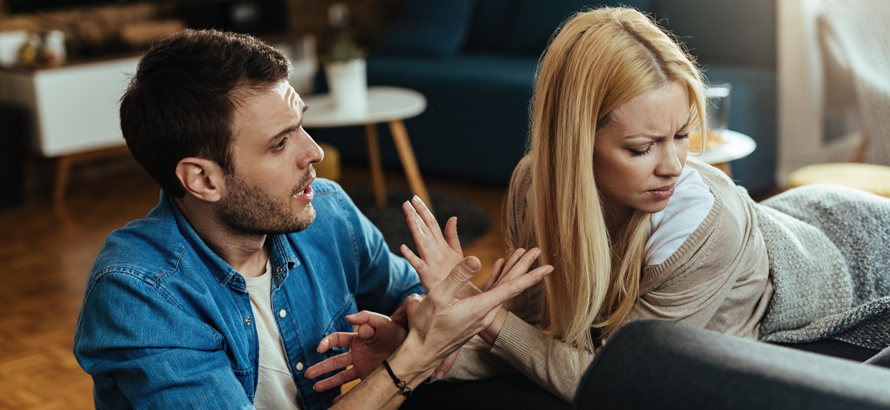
(46, 252)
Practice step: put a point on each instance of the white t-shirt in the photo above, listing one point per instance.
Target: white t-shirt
(275, 385)
(685, 211)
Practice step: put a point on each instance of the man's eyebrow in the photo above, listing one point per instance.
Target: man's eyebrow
(292, 128)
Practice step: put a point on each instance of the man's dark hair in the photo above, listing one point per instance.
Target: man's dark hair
(182, 99)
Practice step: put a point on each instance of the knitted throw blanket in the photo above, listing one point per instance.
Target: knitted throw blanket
(829, 256)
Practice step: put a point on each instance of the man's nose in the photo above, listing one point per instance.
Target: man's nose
(312, 153)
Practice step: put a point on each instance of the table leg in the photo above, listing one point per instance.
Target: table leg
(64, 164)
(376, 166)
(406, 153)
(63, 168)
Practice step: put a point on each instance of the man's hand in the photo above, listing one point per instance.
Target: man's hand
(438, 253)
(376, 339)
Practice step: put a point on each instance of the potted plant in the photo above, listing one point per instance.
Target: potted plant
(344, 66)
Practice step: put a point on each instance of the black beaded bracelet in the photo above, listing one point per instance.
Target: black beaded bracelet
(401, 384)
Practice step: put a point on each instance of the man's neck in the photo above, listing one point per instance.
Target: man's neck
(247, 254)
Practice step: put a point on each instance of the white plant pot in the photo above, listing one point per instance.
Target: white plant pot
(349, 86)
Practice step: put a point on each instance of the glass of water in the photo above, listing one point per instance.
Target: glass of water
(718, 108)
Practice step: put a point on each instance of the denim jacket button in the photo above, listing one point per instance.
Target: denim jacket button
(282, 313)
(299, 366)
(247, 321)
(278, 270)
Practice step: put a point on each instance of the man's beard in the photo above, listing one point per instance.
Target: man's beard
(250, 210)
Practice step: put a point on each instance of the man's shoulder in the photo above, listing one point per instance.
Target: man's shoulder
(144, 247)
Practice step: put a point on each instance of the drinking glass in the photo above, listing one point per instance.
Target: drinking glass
(718, 108)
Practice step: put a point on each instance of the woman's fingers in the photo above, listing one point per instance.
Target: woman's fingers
(508, 266)
(330, 364)
(495, 273)
(521, 266)
(427, 217)
(446, 364)
(508, 288)
(451, 234)
(419, 230)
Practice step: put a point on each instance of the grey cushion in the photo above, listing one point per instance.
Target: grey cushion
(668, 365)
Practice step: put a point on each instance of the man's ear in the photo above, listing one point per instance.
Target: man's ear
(201, 177)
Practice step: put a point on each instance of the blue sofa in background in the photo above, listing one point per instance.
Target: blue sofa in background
(475, 62)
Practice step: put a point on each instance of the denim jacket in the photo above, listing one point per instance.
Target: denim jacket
(166, 323)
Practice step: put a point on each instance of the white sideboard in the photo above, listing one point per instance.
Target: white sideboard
(73, 109)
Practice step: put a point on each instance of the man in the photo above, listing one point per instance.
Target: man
(219, 297)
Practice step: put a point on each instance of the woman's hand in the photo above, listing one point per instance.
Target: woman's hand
(442, 322)
(438, 253)
(376, 339)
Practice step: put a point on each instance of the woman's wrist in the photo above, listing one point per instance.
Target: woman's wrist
(490, 334)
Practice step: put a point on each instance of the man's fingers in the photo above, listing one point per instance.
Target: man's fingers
(366, 318)
(413, 259)
(330, 364)
(339, 339)
(366, 332)
(459, 276)
(401, 315)
(338, 379)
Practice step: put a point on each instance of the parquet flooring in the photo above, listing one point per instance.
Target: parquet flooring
(46, 252)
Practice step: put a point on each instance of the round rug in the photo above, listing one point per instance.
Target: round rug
(471, 220)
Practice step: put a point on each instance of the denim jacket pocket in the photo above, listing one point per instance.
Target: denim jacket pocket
(247, 380)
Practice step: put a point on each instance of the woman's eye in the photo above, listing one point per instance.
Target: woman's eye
(637, 153)
(681, 136)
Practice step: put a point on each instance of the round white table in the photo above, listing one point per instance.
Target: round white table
(385, 104)
(735, 146)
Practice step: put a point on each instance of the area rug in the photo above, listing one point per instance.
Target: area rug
(472, 222)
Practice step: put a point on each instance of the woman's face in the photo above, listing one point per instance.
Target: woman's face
(639, 154)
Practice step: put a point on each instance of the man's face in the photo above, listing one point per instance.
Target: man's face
(268, 192)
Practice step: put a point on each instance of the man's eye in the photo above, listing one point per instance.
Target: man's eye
(280, 145)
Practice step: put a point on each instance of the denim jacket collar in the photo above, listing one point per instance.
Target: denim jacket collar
(282, 255)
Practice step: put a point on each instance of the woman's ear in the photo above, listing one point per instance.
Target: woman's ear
(201, 178)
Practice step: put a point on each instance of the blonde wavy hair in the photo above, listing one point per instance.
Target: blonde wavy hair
(598, 60)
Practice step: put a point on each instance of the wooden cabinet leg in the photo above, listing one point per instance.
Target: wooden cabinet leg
(406, 153)
(63, 168)
(376, 166)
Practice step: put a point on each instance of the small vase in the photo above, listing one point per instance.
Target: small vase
(348, 82)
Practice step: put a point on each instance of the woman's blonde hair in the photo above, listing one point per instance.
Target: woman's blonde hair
(598, 60)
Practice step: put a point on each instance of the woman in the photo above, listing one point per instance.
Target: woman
(635, 231)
